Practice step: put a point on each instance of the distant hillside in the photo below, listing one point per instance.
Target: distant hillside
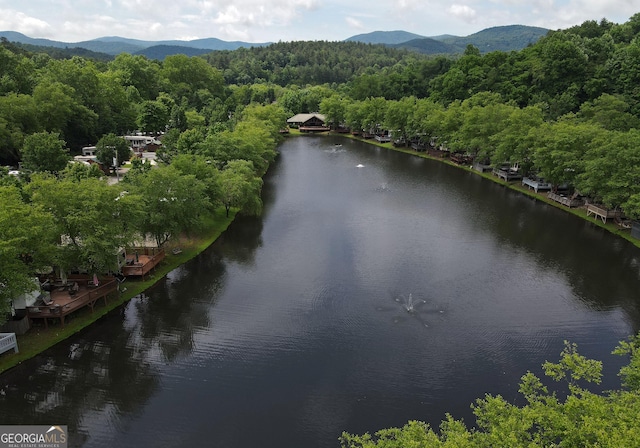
(499, 38)
(502, 38)
(384, 37)
(66, 53)
(114, 45)
(160, 52)
(113, 48)
(13, 36)
(428, 46)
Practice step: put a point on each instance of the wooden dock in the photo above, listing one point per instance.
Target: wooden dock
(141, 260)
(76, 294)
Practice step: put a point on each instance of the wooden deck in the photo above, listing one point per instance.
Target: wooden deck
(482, 167)
(602, 213)
(536, 184)
(507, 174)
(461, 159)
(314, 128)
(140, 261)
(569, 201)
(64, 300)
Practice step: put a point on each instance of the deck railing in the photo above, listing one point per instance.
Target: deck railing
(565, 200)
(602, 213)
(7, 342)
(143, 267)
(85, 297)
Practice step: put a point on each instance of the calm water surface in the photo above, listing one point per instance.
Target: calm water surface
(294, 327)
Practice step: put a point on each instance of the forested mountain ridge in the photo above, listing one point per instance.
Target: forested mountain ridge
(304, 62)
(385, 37)
(498, 38)
(114, 45)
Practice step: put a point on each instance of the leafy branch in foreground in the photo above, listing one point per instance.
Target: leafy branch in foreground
(582, 419)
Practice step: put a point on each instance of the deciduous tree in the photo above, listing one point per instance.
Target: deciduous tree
(44, 151)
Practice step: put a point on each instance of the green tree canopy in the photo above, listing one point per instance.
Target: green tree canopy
(240, 188)
(44, 151)
(110, 148)
(173, 202)
(92, 220)
(26, 244)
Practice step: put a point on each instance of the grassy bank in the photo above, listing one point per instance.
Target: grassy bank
(39, 338)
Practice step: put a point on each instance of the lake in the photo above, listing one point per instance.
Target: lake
(376, 288)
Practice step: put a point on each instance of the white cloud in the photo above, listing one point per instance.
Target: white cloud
(17, 21)
(354, 23)
(463, 12)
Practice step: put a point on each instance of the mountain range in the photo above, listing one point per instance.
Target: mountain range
(503, 38)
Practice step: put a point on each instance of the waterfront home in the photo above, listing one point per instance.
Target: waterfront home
(309, 122)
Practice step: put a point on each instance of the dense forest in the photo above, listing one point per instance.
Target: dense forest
(566, 108)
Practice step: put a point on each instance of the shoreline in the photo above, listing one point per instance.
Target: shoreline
(38, 339)
(515, 186)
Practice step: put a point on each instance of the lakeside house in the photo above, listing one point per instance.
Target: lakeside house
(142, 143)
(309, 122)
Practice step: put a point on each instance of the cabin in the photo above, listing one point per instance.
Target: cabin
(142, 143)
(309, 122)
(89, 151)
(88, 155)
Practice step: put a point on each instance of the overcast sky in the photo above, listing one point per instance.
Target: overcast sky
(289, 20)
